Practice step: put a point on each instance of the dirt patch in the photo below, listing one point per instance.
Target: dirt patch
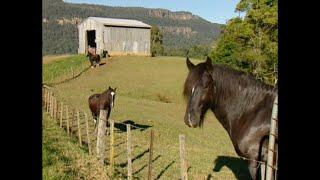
(163, 98)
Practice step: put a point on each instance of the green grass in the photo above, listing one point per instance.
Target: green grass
(62, 158)
(149, 92)
(62, 68)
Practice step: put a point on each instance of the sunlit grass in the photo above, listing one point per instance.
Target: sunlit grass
(149, 92)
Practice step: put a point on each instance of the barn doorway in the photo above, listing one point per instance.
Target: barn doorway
(91, 37)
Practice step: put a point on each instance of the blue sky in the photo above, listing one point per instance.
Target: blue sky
(217, 11)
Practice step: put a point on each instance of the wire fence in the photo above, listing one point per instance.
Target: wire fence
(78, 124)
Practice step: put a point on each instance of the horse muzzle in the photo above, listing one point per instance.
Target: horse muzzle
(189, 121)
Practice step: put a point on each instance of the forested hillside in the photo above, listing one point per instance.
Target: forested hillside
(181, 30)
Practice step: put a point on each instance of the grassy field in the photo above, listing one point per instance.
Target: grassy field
(62, 158)
(149, 92)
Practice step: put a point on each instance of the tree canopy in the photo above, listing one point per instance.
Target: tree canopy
(250, 43)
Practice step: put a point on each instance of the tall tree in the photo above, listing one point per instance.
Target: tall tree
(156, 41)
(251, 43)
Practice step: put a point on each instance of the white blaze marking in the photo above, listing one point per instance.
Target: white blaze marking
(192, 90)
(112, 94)
(189, 119)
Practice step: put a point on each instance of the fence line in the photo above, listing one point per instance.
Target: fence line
(54, 107)
(150, 155)
(87, 131)
(272, 139)
(184, 168)
(129, 152)
(111, 147)
(71, 74)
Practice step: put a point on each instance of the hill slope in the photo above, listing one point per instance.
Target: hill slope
(181, 29)
(149, 94)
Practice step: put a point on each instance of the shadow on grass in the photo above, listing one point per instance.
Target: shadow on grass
(238, 166)
(165, 169)
(123, 128)
(146, 165)
(135, 158)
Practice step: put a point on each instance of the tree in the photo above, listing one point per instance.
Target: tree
(251, 43)
(156, 41)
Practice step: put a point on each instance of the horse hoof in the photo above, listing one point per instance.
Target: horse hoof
(92, 67)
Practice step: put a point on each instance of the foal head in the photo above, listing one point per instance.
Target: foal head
(111, 95)
(198, 91)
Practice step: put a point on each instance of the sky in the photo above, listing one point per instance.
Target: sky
(216, 11)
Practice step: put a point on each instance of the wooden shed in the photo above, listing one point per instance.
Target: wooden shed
(117, 36)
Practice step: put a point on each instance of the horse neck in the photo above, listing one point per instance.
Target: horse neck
(231, 102)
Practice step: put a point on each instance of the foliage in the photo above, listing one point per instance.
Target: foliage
(156, 41)
(251, 43)
(196, 51)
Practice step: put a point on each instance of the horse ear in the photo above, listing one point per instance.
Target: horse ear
(109, 87)
(115, 89)
(209, 63)
(189, 64)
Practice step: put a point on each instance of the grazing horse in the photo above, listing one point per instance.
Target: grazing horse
(94, 59)
(103, 101)
(242, 104)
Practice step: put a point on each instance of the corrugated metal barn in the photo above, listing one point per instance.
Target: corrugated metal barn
(117, 36)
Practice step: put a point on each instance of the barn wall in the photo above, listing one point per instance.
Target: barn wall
(86, 25)
(116, 40)
(127, 40)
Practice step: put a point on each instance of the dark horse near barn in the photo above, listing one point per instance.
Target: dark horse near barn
(103, 101)
(94, 59)
(242, 104)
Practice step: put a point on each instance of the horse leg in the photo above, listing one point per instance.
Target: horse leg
(264, 155)
(253, 169)
(253, 155)
(92, 64)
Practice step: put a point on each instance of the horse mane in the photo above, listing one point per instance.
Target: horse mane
(230, 82)
(234, 78)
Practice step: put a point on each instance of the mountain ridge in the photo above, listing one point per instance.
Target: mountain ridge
(181, 29)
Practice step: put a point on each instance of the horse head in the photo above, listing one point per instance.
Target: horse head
(198, 89)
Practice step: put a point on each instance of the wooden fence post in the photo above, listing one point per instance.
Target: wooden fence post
(184, 174)
(101, 150)
(87, 129)
(111, 146)
(48, 101)
(67, 117)
(72, 120)
(272, 137)
(54, 108)
(51, 104)
(79, 127)
(56, 113)
(44, 96)
(150, 155)
(61, 113)
(129, 152)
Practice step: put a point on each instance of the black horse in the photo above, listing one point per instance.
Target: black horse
(103, 101)
(242, 104)
(94, 59)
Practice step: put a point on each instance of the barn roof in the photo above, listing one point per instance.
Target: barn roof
(120, 22)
